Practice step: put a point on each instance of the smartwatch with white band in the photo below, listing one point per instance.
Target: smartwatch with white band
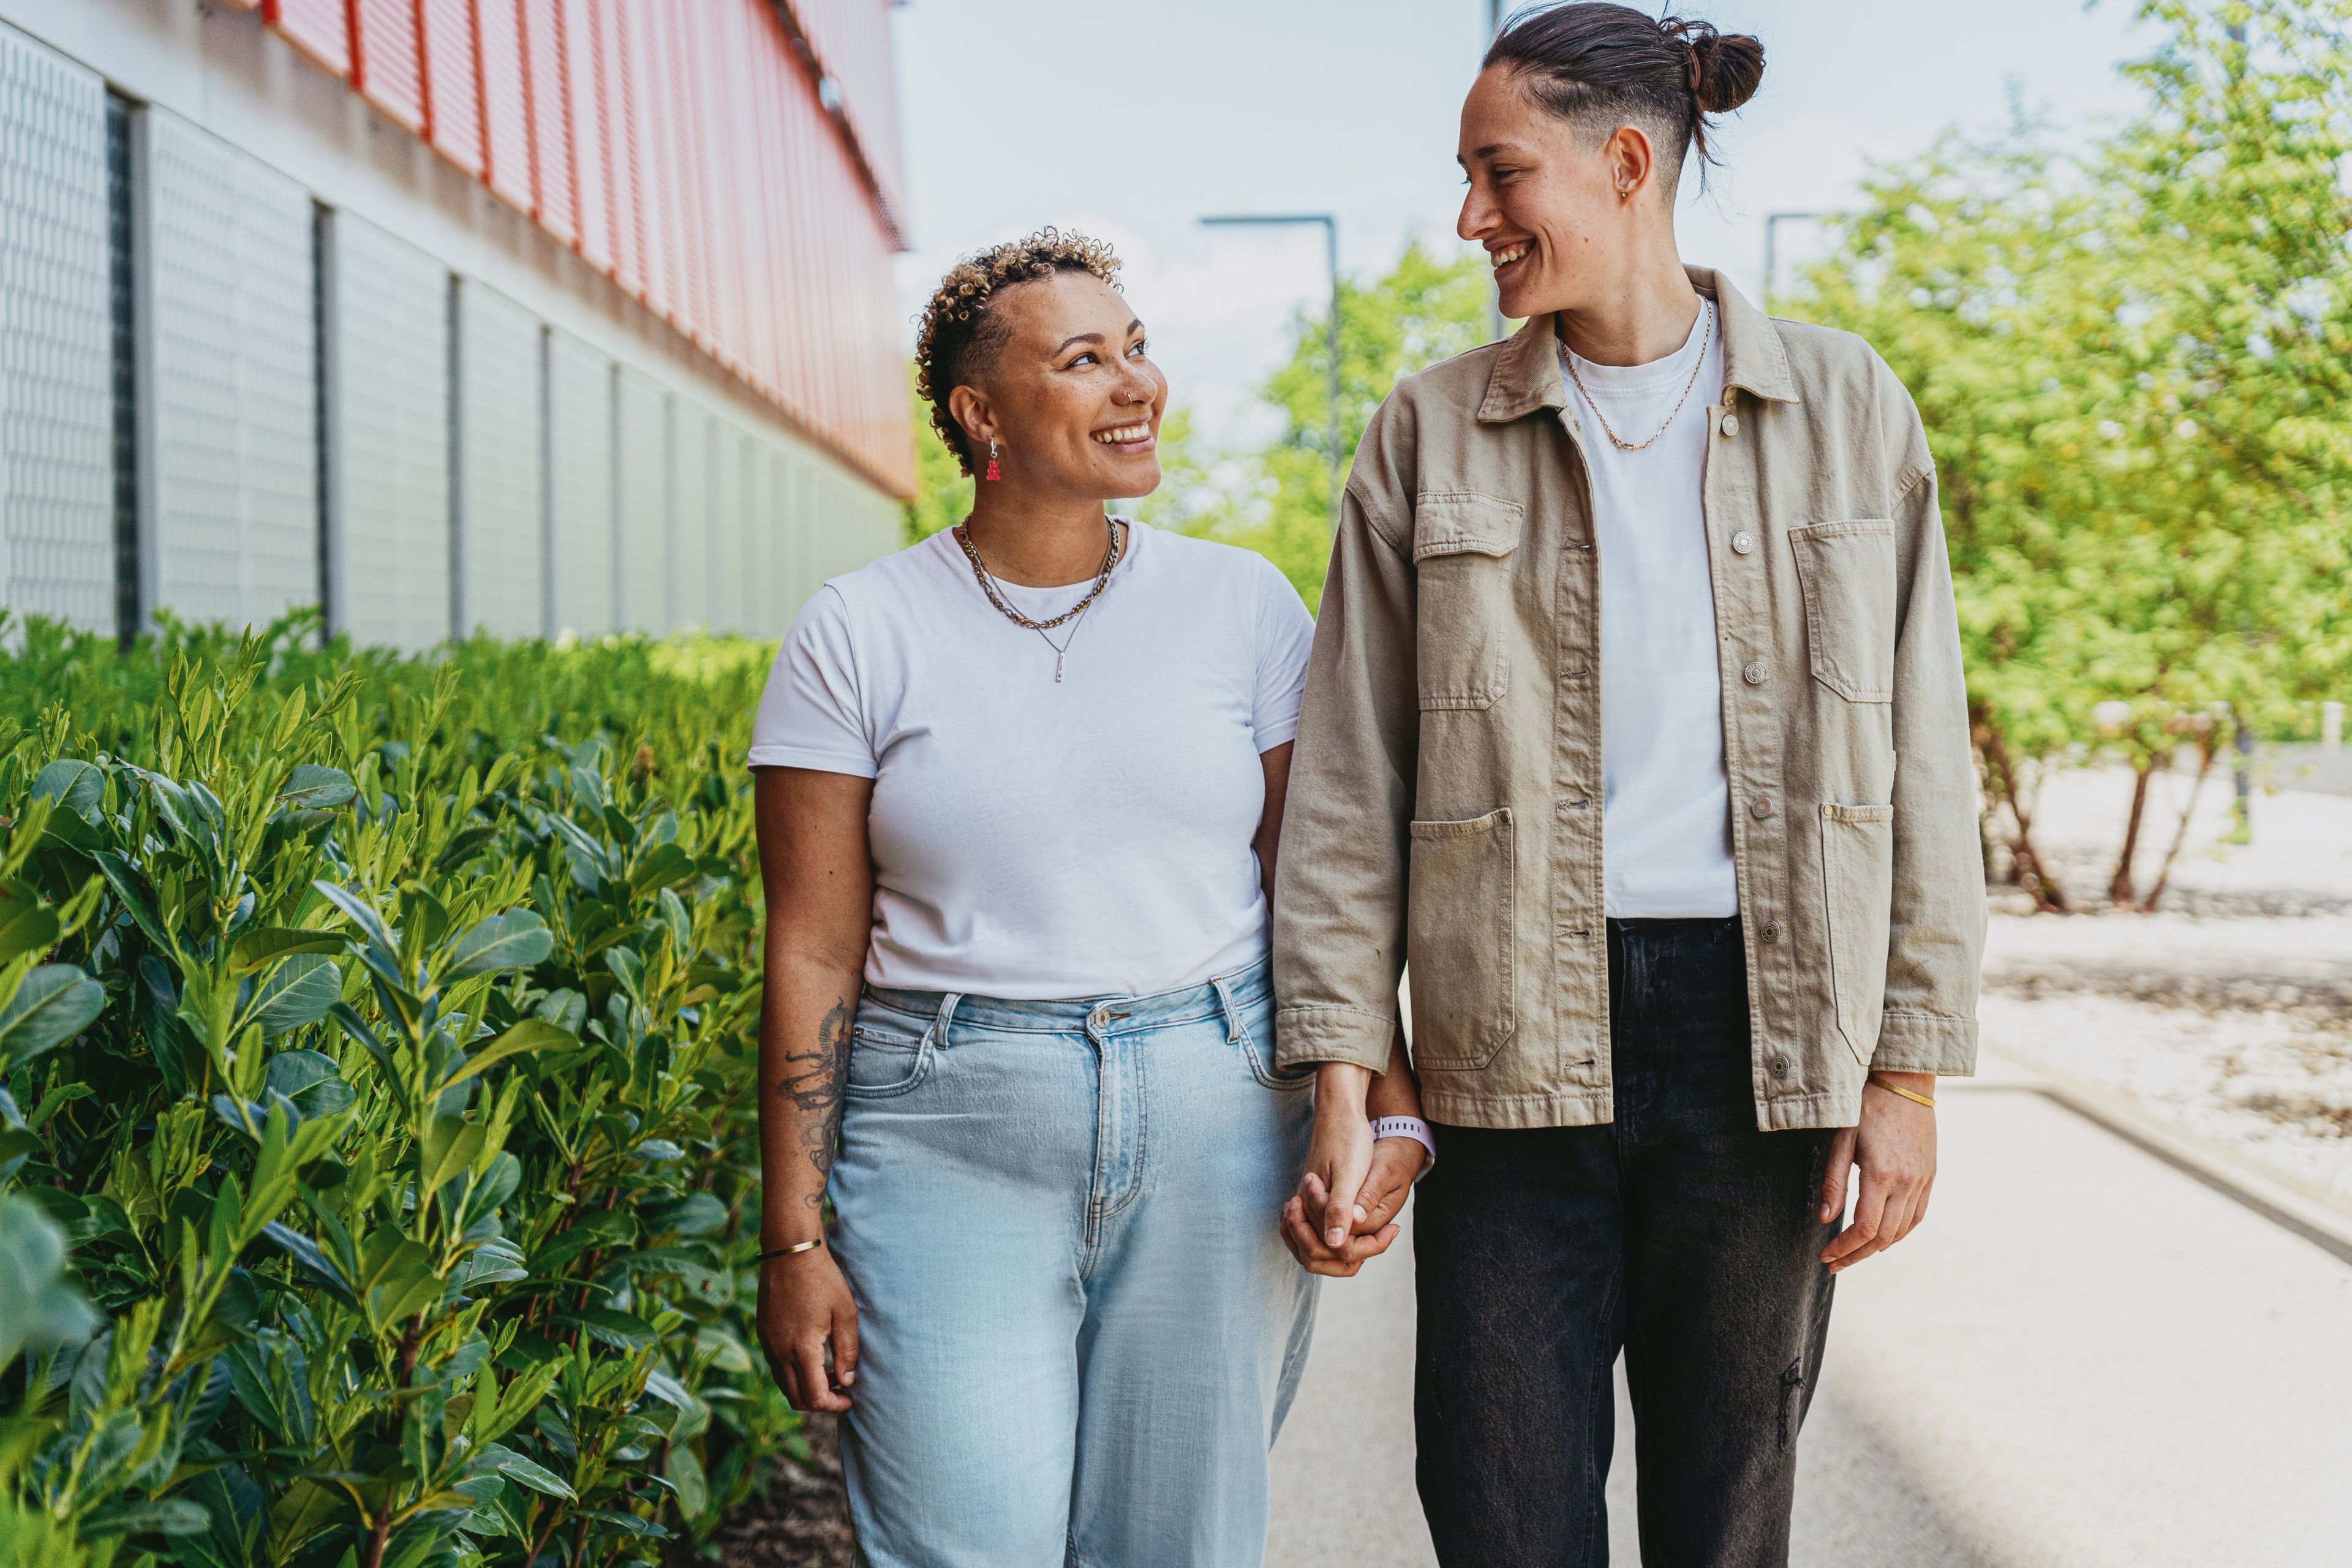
(1411, 1127)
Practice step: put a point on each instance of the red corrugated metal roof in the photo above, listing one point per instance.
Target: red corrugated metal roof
(681, 147)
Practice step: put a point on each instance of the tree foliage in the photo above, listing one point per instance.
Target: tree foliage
(2130, 356)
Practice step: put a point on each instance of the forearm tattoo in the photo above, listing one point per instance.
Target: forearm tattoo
(811, 1081)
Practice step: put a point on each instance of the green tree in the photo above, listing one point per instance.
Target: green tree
(2130, 359)
(1277, 501)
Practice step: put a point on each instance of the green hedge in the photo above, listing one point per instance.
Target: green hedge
(376, 1044)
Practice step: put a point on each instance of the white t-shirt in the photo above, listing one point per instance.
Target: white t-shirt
(1035, 840)
(1666, 831)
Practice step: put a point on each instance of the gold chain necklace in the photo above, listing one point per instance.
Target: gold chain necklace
(988, 586)
(1708, 311)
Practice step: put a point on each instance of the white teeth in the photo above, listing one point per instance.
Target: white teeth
(1124, 434)
(1505, 257)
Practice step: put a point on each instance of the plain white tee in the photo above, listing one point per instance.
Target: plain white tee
(1036, 841)
(1666, 832)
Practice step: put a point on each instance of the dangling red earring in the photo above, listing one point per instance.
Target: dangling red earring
(993, 471)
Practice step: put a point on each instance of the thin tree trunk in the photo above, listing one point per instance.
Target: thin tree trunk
(2025, 861)
(2206, 752)
(2119, 886)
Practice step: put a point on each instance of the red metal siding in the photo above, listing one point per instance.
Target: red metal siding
(385, 63)
(591, 169)
(320, 28)
(681, 147)
(453, 94)
(547, 97)
(506, 101)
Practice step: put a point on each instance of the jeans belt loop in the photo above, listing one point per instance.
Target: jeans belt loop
(936, 1037)
(1233, 1009)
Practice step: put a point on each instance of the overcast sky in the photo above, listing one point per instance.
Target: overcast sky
(1131, 122)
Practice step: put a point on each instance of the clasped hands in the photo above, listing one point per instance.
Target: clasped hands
(1345, 1211)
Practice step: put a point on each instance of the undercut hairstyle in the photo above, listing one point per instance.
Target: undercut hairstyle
(960, 335)
(1599, 66)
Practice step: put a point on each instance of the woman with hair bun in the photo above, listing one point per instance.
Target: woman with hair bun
(1019, 791)
(1628, 621)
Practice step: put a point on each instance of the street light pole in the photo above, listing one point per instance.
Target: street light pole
(1331, 260)
(1771, 223)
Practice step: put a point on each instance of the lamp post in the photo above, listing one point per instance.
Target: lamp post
(1331, 257)
(1772, 222)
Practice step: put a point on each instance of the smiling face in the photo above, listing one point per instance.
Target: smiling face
(1069, 393)
(1558, 208)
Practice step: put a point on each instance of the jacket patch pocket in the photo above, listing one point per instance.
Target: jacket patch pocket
(1847, 570)
(1858, 889)
(1462, 544)
(1460, 941)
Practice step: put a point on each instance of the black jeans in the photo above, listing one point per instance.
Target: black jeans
(1679, 1234)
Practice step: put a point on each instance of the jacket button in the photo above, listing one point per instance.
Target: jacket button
(1771, 932)
(1780, 1067)
(1730, 426)
(1762, 807)
(1743, 543)
(1752, 672)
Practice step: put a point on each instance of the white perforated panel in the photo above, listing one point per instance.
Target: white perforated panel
(727, 594)
(501, 506)
(641, 484)
(689, 515)
(231, 517)
(580, 473)
(758, 537)
(388, 517)
(56, 410)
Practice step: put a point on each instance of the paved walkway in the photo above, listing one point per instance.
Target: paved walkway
(2087, 1359)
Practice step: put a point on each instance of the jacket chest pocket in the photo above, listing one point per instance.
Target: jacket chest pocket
(1462, 545)
(1847, 571)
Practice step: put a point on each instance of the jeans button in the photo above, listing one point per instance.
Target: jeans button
(1730, 425)
(1743, 543)
(1771, 932)
(1762, 807)
(1780, 1067)
(1753, 672)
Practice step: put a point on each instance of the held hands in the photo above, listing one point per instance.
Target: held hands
(1894, 1145)
(1348, 1200)
(805, 1309)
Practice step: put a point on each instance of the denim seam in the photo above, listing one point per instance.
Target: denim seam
(1142, 1141)
(1595, 1481)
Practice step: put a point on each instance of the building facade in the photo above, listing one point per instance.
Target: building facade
(537, 317)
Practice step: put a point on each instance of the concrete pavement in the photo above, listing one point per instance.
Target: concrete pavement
(2087, 1359)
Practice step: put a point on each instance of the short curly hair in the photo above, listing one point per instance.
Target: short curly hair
(957, 336)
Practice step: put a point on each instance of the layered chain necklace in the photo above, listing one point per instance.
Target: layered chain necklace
(1568, 357)
(1043, 629)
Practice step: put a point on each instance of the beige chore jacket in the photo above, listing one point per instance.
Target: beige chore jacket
(1445, 793)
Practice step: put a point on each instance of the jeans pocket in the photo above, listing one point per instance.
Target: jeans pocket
(1261, 1061)
(885, 1057)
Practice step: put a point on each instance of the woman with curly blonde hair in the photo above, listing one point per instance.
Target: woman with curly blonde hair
(1019, 793)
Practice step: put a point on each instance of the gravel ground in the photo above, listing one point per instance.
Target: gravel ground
(2229, 1015)
(801, 1521)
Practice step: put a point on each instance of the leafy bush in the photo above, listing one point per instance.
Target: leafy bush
(385, 1060)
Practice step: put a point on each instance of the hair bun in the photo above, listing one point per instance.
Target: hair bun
(1726, 68)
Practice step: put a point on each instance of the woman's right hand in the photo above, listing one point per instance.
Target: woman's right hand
(805, 1307)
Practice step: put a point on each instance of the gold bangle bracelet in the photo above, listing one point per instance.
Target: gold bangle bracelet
(1907, 1094)
(788, 1251)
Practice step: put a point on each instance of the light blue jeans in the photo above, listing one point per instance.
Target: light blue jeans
(1078, 1331)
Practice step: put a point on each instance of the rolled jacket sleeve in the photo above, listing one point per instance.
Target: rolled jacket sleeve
(1339, 898)
(1936, 939)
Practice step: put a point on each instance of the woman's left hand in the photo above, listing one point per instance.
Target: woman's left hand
(1345, 1207)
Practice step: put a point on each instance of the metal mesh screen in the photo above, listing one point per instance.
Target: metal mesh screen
(641, 501)
(500, 513)
(580, 471)
(57, 391)
(230, 528)
(388, 433)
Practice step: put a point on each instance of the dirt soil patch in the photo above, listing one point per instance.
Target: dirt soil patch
(801, 1521)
